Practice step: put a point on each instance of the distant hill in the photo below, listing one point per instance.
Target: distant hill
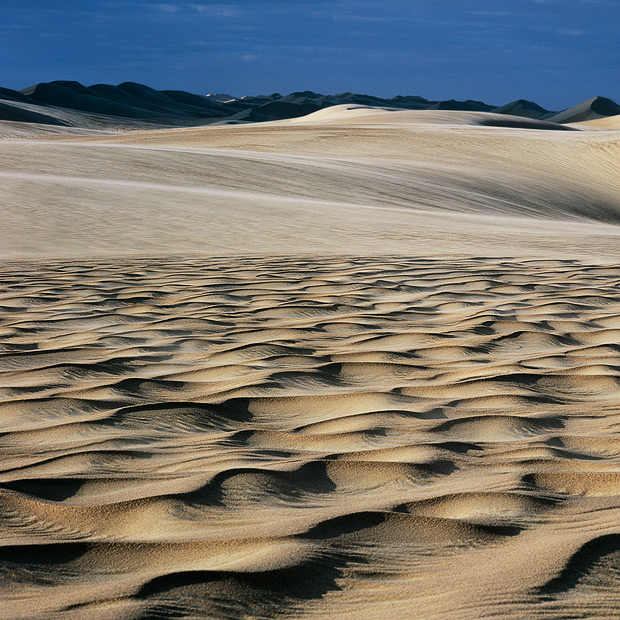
(130, 105)
(521, 107)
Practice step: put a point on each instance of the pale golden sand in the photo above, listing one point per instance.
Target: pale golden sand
(360, 365)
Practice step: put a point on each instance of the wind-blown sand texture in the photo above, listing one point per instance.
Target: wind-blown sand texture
(362, 364)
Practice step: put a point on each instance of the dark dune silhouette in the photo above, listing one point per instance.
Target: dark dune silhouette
(131, 101)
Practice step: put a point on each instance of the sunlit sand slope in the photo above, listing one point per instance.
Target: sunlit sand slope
(342, 180)
(344, 438)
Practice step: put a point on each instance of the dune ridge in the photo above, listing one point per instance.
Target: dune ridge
(129, 105)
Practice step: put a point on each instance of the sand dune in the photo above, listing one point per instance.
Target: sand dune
(130, 105)
(340, 181)
(360, 364)
(591, 109)
(522, 107)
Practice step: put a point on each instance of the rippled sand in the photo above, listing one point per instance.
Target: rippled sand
(429, 431)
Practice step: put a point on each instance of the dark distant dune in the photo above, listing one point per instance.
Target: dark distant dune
(14, 95)
(167, 107)
(276, 110)
(522, 107)
(131, 101)
(15, 113)
(465, 106)
(154, 100)
(63, 95)
(198, 102)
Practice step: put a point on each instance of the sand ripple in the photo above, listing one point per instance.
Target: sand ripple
(345, 438)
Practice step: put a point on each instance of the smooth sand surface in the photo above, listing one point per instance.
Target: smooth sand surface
(360, 365)
(340, 182)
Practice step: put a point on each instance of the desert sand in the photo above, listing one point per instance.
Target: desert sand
(360, 364)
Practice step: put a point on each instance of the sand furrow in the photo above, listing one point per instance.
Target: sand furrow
(347, 437)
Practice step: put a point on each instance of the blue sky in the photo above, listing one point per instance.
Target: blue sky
(556, 52)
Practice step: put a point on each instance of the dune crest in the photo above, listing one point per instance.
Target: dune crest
(130, 105)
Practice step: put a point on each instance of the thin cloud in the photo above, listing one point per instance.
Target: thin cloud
(164, 8)
(212, 10)
(216, 10)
